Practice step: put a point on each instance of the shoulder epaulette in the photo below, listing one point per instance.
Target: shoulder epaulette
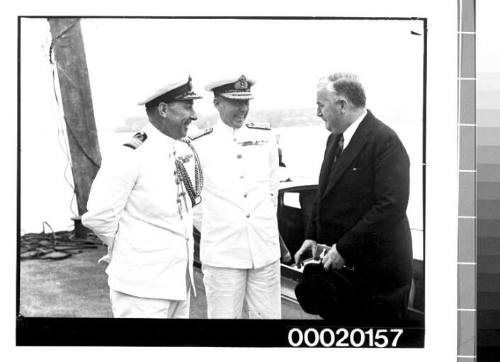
(199, 135)
(259, 125)
(137, 140)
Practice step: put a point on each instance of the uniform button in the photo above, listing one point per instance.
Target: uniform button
(245, 194)
(239, 155)
(248, 215)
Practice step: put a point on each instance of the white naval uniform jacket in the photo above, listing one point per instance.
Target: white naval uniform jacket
(239, 227)
(133, 209)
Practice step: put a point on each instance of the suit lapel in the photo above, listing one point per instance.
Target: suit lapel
(327, 161)
(349, 154)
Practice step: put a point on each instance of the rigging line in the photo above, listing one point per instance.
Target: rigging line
(57, 37)
(68, 127)
(71, 204)
(72, 186)
(65, 174)
(63, 143)
(61, 70)
(60, 127)
(58, 105)
(60, 133)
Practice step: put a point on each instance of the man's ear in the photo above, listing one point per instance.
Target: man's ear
(343, 104)
(163, 109)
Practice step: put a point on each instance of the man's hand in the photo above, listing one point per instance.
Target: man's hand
(306, 245)
(332, 259)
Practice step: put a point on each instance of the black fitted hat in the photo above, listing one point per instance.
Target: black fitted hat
(327, 293)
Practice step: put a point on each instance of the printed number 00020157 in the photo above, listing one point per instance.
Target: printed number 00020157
(342, 337)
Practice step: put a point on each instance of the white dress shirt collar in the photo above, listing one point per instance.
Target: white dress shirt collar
(155, 134)
(220, 126)
(349, 132)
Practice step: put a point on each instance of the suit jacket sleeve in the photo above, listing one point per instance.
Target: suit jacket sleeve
(390, 197)
(311, 224)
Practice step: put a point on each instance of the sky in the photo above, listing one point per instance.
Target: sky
(286, 58)
(128, 57)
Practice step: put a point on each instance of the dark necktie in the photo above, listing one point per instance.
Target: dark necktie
(338, 148)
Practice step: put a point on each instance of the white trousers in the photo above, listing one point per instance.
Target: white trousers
(227, 288)
(130, 306)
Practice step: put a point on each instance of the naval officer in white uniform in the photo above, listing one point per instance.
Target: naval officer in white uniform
(239, 247)
(140, 205)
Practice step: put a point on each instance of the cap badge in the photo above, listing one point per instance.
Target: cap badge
(241, 84)
(186, 90)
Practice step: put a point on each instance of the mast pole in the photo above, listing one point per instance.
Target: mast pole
(68, 54)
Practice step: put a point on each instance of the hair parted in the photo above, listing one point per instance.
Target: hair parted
(347, 85)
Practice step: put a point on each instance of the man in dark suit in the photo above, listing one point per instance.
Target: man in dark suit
(360, 211)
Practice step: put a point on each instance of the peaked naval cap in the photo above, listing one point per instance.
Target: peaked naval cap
(232, 88)
(178, 91)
